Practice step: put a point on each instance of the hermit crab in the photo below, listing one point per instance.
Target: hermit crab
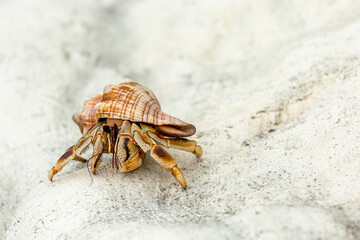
(127, 122)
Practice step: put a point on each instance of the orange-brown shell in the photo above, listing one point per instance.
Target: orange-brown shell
(130, 101)
(86, 117)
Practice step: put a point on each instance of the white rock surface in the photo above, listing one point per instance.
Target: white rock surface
(272, 86)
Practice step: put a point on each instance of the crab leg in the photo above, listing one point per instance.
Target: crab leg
(163, 158)
(98, 145)
(73, 152)
(129, 154)
(177, 143)
(80, 159)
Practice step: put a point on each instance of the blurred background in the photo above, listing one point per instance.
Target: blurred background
(272, 87)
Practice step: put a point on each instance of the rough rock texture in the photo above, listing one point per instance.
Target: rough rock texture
(272, 86)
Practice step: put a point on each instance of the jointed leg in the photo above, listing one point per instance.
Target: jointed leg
(177, 143)
(163, 158)
(64, 159)
(129, 154)
(98, 145)
(80, 159)
(73, 152)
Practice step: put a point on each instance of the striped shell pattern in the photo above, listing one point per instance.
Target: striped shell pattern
(126, 101)
(86, 117)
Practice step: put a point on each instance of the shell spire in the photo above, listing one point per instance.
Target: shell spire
(132, 101)
(86, 117)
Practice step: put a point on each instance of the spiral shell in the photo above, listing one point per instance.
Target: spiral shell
(132, 101)
(86, 117)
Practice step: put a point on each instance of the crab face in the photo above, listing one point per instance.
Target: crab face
(127, 121)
